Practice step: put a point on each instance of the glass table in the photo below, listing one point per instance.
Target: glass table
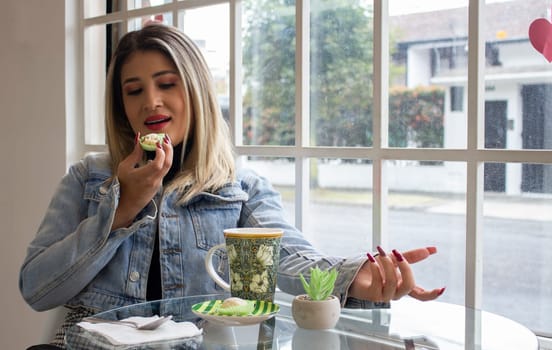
(408, 324)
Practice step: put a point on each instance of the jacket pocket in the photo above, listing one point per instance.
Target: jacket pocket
(95, 189)
(211, 215)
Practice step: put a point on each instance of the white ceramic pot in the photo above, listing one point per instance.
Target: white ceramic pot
(310, 314)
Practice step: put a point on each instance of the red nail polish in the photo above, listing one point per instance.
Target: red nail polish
(167, 139)
(431, 250)
(381, 251)
(158, 145)
(136, 138)
(442, 290)
(397, 255)
(370, 257)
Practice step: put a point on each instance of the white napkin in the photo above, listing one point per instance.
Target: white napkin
(119, 334)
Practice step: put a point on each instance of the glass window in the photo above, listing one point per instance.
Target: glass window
(426, 207)
(337, 208)
(137, 4)
(214, 41)
(518, 84)
(93, 8)
(268, 72)
(456, 98)
(423, 65)
(97, 62)
(138, 22)
(341, 66)
(517, 225)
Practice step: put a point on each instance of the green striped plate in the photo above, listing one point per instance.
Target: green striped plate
(263, 311)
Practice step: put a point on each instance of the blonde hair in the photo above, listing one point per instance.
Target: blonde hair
(209, 159)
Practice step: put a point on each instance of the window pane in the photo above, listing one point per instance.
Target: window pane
(518, 179)
(137, 4)
(518, 84)
(93, 8)
(428, 74)
(427, 207)
(213, 39)
(269, 72)
(139, 22)
(99, 43)
(518, 247)
(281, 174)
(340, 206)
(341, 71)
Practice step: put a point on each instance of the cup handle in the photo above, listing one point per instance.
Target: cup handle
(211, 270)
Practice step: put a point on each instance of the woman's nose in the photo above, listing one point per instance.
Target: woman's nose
(153, 100)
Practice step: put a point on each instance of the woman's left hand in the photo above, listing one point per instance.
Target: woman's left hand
(389, 277)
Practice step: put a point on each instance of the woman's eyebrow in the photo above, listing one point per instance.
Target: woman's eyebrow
(155, 75)
(163, 72)
(130, 80)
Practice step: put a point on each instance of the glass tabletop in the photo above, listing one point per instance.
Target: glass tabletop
(408, 324)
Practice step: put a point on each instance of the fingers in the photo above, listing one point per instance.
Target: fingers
(424, 295)
(135, 157)
(415, 255)
(407, 276)
(167, 148)
(163, 155)
(390, 277)
(377, 282)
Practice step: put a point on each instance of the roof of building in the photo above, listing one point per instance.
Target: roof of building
(508, 20)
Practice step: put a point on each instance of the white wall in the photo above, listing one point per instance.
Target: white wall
(32, 108)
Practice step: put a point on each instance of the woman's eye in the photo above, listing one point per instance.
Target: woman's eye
(166, 85)
(134, 92)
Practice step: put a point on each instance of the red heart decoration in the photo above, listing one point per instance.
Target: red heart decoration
(540, 35)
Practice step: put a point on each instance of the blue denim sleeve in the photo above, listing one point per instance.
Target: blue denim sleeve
(297, 255)
(73, 243)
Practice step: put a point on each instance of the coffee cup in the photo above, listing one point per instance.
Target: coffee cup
(253, 257)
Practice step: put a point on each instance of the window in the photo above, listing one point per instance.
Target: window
(456, 98)
(331, 99)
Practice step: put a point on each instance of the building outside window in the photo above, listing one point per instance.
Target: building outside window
(331, 99)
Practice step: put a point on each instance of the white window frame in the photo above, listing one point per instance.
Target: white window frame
(474, 156)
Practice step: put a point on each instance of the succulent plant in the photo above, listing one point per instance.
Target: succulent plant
(321, 283)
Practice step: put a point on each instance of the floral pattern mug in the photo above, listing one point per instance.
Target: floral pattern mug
(253, 256)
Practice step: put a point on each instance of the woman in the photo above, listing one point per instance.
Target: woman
(122, 229)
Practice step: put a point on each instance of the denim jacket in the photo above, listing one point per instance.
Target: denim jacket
(76, 260)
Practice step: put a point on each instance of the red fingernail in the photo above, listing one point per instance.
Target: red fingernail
(136, 138)
(167, 139)
(381, 251)
(370, 257)
(158, 145)
(431, 250)
(397, 255)
(442, 290)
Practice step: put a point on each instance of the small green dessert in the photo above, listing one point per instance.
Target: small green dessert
(149, 141)
(236, 307)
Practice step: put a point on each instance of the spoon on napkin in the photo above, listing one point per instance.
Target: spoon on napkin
(148, 325)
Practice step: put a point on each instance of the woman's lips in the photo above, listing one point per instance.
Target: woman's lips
(157, 122)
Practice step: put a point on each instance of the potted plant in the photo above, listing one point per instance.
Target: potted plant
(318, 308)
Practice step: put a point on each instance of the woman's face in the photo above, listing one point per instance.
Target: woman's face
(153, 95)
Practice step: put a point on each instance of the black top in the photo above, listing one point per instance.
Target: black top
(154, 291)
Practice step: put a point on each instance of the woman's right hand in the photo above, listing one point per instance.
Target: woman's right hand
(139, 184)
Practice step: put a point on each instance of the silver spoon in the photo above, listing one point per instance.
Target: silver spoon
(148, 326)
